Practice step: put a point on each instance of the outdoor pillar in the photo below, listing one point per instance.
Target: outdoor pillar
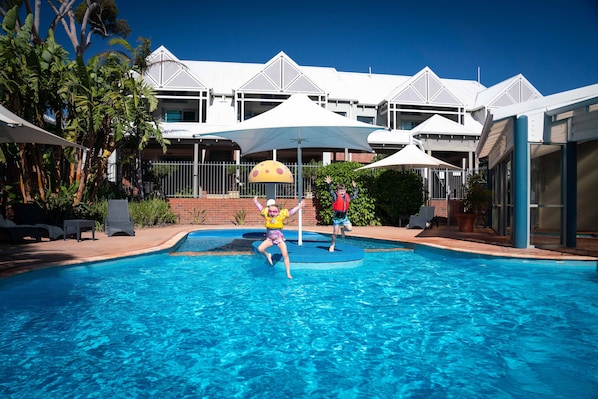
(520, 184)
(570, 195)
(271, 191)
(196, 192)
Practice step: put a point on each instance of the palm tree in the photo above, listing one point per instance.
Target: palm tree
(112, 109)
(30, 78)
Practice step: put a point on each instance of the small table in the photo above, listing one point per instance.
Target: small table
(403, 218)
(79, 224)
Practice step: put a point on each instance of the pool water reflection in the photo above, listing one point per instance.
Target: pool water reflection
(423, 323)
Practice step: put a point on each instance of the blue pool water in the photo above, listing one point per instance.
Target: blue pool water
(405, 324)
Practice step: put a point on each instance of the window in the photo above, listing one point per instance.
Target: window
(366, 119)
(179, 115)
(173, 115)
(408, 125)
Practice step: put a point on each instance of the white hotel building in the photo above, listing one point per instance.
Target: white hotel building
(446, 115)
(540, 151)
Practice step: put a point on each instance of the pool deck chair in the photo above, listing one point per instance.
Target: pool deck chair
(423, 219)
(34, 215)
(17, 233)
(118, 219)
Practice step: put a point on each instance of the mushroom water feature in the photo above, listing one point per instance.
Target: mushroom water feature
(270, 172)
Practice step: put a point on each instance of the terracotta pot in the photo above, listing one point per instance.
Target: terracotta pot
(465, 221)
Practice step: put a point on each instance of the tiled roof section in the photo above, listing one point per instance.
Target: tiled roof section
(165, 71)
(281, 75)
(427, 88)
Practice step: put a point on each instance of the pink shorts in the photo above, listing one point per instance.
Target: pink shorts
(275, 235)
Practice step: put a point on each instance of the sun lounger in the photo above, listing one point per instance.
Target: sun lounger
(16, 233)
(34, 215)
(118, 219)
(423, 219)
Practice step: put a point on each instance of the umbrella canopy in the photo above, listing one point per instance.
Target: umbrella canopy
(14, 129)
(410, 157)
(299, 123)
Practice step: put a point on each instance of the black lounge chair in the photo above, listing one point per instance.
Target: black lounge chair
(16, 233)
(34, 215)
(118, 219)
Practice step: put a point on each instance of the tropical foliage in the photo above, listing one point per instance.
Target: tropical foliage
(103, 104)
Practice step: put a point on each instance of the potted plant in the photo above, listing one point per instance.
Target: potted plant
(475, 201)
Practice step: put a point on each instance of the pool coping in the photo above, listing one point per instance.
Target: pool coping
(29, 256)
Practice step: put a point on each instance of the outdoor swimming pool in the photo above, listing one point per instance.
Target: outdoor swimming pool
(413, 324)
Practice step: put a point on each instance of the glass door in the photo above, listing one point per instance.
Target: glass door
(546, 196)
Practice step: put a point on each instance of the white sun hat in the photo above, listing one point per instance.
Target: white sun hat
(271, 202)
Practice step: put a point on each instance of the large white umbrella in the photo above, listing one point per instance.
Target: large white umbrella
(410, 157)
(14, 129)
(299, 123)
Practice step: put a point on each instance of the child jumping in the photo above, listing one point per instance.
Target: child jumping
(340, 206)
(274, 224)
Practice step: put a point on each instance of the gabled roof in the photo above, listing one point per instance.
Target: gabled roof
(440, 125)
(165, 71)
(424, 87)
(500, 120)
(281, 75)
(511, 91)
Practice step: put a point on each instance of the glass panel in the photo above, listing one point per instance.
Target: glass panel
(546, 203)
(173, 115)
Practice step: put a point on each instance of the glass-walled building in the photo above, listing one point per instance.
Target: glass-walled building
(542, 161)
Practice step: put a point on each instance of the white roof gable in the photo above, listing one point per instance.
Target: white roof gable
(440, 125)
(424, 87)
(165, 71)
(281, 75)
(511, 91)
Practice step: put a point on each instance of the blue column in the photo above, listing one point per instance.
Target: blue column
(570, 195)
(520, 184)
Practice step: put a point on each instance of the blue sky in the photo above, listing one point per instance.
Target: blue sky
(554, 44)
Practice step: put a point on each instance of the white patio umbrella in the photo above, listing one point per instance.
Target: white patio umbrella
(299, 123)
(14, 129)
(410, 157)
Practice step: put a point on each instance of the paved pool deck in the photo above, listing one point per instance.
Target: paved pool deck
(28, 256)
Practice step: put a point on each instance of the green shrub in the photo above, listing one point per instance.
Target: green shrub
(362, 209)
(152, 212)
(198, 216)
(383, 196)
(397, 193)
(239, 217)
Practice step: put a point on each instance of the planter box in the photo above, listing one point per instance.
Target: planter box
(466, 222)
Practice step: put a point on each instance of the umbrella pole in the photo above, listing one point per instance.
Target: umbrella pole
(300, 193)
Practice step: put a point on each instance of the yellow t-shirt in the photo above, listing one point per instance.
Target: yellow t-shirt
(275, 222)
